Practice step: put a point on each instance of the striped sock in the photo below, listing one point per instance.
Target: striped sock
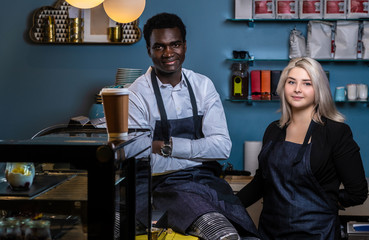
(213, 226)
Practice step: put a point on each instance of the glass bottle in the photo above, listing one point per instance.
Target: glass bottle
(239, 81)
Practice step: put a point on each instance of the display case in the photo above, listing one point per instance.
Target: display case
(90, 177)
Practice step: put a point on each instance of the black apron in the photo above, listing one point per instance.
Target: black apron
(295, 205)
(187, 194)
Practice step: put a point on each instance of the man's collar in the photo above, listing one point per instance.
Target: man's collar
(180, 84)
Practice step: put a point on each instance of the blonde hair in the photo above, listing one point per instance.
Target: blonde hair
(324, 105)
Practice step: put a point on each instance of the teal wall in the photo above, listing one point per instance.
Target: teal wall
(44, 85)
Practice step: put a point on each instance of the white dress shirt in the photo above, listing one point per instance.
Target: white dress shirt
(143, 111)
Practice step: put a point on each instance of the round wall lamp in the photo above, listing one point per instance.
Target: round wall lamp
(124, 11)
(84, 4)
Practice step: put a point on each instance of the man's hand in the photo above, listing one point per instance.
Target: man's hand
(156, 146)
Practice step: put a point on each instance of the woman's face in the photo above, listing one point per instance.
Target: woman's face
(298, 89)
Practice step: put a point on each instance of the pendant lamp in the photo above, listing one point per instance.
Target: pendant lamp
(124, 11)
(84, 4)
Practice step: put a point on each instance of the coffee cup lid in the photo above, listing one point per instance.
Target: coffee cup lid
(114, 91)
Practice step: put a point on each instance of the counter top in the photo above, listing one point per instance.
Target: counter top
(73, 145)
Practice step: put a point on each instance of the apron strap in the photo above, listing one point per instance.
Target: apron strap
(163, 114)
(195, 115)
(159, 101)
(302, 149)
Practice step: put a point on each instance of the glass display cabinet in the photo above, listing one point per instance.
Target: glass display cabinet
(80, 173)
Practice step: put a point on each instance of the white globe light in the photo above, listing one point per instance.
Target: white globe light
(124, 11)
(84, 4)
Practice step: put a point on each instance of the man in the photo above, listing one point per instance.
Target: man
(190, 134)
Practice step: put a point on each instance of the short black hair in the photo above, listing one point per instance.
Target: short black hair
(163, 20)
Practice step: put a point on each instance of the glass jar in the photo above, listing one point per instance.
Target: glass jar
(20, 175)
(23, 225)
(12, 229)
(37, 230)
(2, 229)
(239, 81)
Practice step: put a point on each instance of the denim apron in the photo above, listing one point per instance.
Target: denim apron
(295, 205)
(187, 194)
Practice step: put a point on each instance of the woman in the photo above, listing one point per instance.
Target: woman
(305, 157)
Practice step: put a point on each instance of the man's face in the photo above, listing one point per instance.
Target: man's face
(167, 50)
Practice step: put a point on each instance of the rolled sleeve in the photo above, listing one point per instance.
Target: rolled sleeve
(181, 148)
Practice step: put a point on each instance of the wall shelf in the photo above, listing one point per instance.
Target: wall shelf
(251, 61)
(342, 103)
(81, 43)
(251, 21)
(338, 103)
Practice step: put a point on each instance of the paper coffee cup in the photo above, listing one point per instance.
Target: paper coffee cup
(115, 103)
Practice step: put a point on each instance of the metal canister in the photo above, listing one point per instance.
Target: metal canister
(115, 34)
(75, 30)
(49, 29)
